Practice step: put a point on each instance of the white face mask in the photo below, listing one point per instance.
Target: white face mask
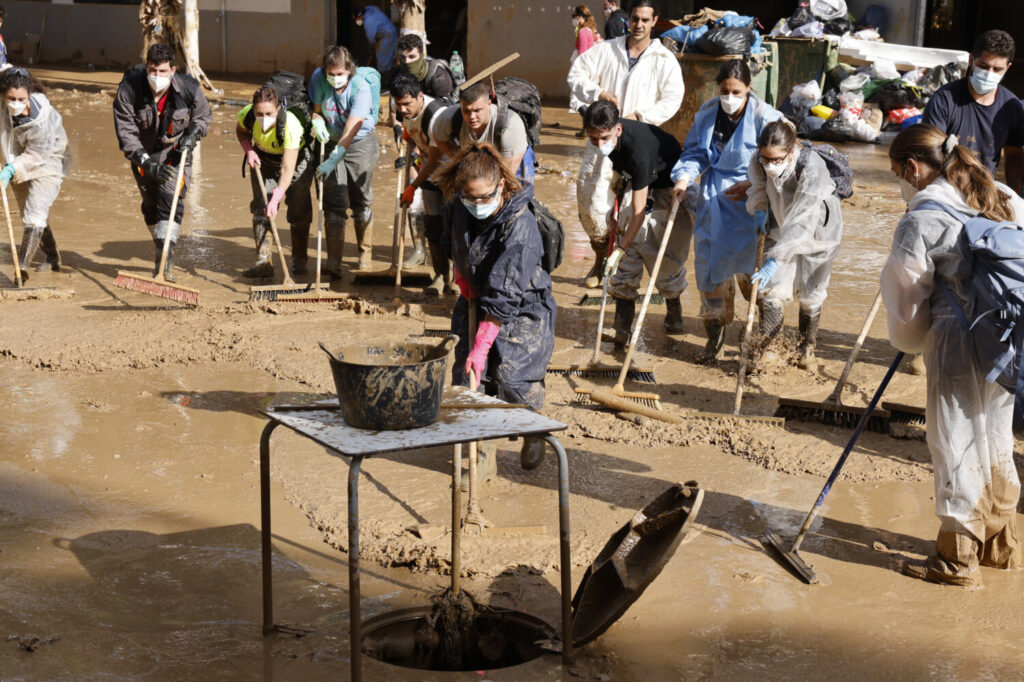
(267, 122)
(577, 22)
(338, 82)
(359, 22)
(17, 108)
(907, 191)
(983, 81)
(607, 12)
(608, 147)
(775, 170)
(731, 103)
(159, 83)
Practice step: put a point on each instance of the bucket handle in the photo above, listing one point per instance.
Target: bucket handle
(448, 343)
(332, 356)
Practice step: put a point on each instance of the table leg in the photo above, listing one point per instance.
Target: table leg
(565, 561)
(265, 558)
(457, 518)
(355, 623)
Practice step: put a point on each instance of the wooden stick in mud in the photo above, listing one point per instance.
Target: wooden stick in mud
(745, 352)
(457, 518)
(605, 397)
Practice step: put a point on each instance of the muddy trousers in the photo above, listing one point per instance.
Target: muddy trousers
(297, 199)
(34, 199)
(643, 252)
(719, 304)
(518, 360)
(350, 186)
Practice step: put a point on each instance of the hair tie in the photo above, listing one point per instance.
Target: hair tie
(950, 144)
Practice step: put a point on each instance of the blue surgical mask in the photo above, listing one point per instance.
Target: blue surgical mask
(481, 211)
(983, 81)
(607, 148)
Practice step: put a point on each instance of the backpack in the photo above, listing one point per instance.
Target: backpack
(370, 76)
(552, 235)
(432, 66)
(995, 252)
(291, 93)
(837, 162)
(520, 96)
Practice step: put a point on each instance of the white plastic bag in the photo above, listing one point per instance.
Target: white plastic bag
(812, 29)
(805, 95)
(828, 10)
(854, 82)
(884, 69)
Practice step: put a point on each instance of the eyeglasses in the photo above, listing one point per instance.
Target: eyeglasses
(19, 71)
(772, 162)
(480, 200)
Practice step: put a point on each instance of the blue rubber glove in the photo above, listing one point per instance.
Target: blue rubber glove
(320, 130)
(328, 166)
(765, 274)
(6, 174)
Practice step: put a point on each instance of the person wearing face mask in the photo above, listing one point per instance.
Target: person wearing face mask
(496, 248)
(343, 118)
(642, 155)
(287, 170)
(616, 24)
(984, 115)
(644, 80)
(969, 420)
(586, 30)
(718, 150)
(159, 113)
(36, 160)
(381, 34)
(793, 183)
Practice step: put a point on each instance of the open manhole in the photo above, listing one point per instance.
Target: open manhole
(455, 634)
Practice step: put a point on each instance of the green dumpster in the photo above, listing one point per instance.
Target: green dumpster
(802, 60)
(699, 72)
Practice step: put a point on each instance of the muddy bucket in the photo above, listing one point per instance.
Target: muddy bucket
(391, 386)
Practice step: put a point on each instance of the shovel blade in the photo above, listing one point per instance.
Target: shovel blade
(790, 558)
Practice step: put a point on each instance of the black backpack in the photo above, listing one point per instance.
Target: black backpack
(432, 66)
(552, 235)
(837, 162)
(293, 96)
(520, 96)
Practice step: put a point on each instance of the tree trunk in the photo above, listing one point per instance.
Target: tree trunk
(413, 17)
(189, 38)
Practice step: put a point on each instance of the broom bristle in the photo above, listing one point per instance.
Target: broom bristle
(582, 397)
(168, 291)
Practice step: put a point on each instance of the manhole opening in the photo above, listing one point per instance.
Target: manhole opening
(496, 639)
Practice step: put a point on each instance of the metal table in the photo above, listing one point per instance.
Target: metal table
(323, 424)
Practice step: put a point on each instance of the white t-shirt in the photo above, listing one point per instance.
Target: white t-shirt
(510, 142)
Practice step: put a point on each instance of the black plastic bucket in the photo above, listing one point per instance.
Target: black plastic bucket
(391, 386)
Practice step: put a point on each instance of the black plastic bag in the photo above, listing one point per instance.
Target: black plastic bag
(810, 127)
(836, 130)
(794, 113)
(724, 40)
(839, 27)
(831, 99)
(801, 16)
(937, 76)
(895, 95)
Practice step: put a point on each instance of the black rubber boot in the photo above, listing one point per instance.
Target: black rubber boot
(334, 235)
(262, 268)
(716, 340)
(158, 250)
(772, 315)
(808, 338)
(364, 240)
(623, 324)
(169, 266)
(673, 316)
(442, 270)
(49, 247)
(300, 245)
(30, 240)
(417, 255)
(600, 247)
(532, 453)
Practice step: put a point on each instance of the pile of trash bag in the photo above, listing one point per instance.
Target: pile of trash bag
(716, 33)
(815, 19)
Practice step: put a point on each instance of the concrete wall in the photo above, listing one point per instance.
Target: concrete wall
(110, 36)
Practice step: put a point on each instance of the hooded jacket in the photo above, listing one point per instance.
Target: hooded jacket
(39, 147)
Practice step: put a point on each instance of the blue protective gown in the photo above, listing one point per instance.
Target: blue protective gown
(500, 257)
(724, 235)
(374, 22)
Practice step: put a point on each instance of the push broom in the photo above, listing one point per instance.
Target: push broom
(790, 554)
(158, 285)
(21, 292)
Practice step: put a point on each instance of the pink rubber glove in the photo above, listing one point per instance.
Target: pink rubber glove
(477, 360)
(252, 159)
(275, 201)
(463, 284)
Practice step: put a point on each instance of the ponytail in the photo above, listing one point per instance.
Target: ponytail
(957, 164)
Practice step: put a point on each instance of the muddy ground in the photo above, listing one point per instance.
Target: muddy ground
(129, 479)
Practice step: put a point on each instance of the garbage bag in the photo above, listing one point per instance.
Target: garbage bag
(733, 20)
(781, 28)
(831, 99)
(828, 10)
(896, 95)
(840, 129)
(839, 27)
(855, 82)
(686, 36)
(801, 16)
(723, 40)
(838, 74)
(813, 29)
(937, 76)
(811, 127)
(884, 69)
(806, 95)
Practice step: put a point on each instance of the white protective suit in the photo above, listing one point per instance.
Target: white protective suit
(41, 157)
(969, 421)
(653, 88)
(808, 227)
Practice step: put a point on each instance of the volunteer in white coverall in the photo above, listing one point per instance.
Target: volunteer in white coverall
(794, 183)
(969, 420)
(643, 79)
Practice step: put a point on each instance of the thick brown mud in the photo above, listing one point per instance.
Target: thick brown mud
(129, 480)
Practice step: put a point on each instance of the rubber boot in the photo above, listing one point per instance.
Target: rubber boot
(364, 240)
(623, 325)
(169, 265)
(716, 340)
(486, 465)
(772, 316)
(532, 453)
(600, 247)
(417, 256)
(334, 235)
(442, 270)
(300, 244)
(49, 246)
(262, 268)
(30, 239)
(673, 316)
(808, 338)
